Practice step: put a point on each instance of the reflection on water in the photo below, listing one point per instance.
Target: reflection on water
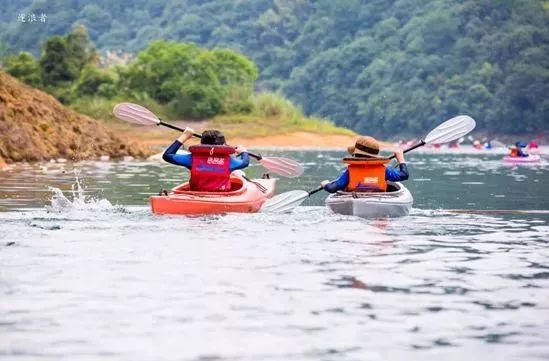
(111, 281)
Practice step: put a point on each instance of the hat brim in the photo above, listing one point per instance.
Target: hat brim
(352, 151)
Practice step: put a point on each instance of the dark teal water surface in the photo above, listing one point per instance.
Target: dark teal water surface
(438, 181)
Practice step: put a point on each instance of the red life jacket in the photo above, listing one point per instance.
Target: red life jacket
(210, 169)
(366, 174)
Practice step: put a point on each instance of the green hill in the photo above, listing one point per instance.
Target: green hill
(377, 66)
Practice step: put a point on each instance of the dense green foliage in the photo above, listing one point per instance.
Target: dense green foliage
(173, 79)
(378, 66)
(195, 80)
(25, 67)
(94, 81)
(189, 80)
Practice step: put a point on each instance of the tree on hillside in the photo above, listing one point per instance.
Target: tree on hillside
(80, 48)
(95, 81)
(195, 81)
(64, 57)
(25, 67)
(56, 63)
(3, 49)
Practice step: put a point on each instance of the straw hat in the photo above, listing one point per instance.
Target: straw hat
(365, 146)
(520, 144)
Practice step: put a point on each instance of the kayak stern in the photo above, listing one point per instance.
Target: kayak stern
(247, 198)
(395, 203)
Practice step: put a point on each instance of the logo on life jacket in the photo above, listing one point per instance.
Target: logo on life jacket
(210, 169)
(366, 174)
(216, 160)
(371, 180)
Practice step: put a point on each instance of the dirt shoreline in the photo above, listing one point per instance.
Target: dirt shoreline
(297, 140)
(159, 137)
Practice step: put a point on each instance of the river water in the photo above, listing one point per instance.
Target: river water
(102, 278)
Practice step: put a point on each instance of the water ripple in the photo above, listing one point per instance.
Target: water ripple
(115, 282)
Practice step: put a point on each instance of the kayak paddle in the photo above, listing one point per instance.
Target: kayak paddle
(137, 114)
(448, 131)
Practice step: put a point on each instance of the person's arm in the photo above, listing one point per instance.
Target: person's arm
(243, 161)
(397, 174)
(337, 185)
(171, 156)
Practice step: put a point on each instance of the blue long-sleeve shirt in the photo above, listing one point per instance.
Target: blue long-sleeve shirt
(186, 160)
(391, 174)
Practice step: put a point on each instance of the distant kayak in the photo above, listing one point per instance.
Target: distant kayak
(245, 198)
(396, 202)
(532, 158)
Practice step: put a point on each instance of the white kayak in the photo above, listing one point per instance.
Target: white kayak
(532, 158)
(396, 202)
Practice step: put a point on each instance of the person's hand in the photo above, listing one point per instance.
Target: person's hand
(240, 149)
(399, 155)
(324, 183)
(187, 134)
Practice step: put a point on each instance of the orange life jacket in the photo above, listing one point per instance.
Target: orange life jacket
(514, 152)
(366, 174)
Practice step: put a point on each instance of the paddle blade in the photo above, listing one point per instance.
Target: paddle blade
(497, 144)
(450, 130)
(135, 113)
(284, 202)
(282, 166)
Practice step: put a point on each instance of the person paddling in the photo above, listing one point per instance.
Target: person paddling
(366, 170)
(533, 147)
(210, 162)
(517, 150)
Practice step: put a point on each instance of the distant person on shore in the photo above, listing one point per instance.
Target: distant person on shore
(453, 145)
(517, 150)
(366, 170)
(210, 162)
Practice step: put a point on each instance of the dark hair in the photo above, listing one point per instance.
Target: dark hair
(212, 137)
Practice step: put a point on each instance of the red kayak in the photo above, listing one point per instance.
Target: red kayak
(244, 197)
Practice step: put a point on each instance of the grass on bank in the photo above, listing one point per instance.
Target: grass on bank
(270, 114)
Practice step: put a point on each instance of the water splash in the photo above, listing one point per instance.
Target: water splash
(59, 202)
